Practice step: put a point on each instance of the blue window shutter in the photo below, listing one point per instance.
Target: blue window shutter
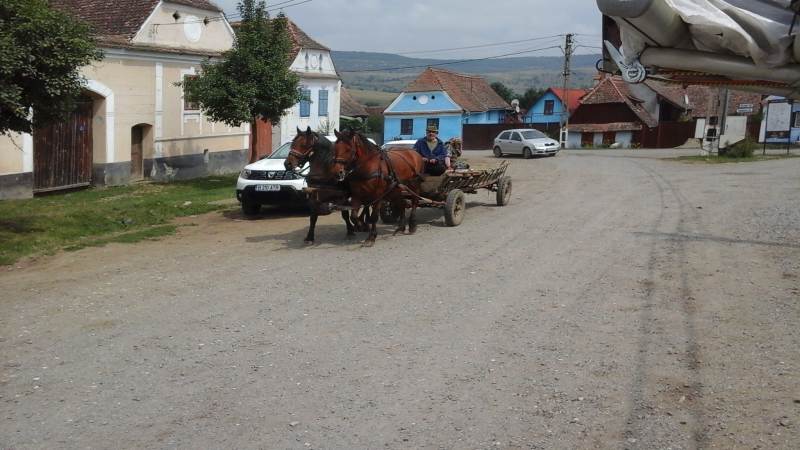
(323, 102)
(305, 103)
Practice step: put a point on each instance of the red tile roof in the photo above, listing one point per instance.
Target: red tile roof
(119, 21)
(615, 90)
(574, 98)
(350, 106)
(470, 92)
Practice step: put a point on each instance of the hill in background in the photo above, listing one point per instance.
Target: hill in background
(519, 74)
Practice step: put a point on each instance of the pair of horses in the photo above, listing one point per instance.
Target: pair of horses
(357, 168)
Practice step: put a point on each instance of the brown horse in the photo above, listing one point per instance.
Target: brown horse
(375, 176)
(310, 147)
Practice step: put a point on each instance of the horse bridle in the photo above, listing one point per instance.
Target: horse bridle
(349, 164)
(303, 158)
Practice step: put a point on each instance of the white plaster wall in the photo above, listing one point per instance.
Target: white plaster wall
(292, 120)
(624, 138)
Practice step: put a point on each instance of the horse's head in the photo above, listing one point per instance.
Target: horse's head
(302, 149)
(347, 151)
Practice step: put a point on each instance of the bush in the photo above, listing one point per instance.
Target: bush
(742, 149)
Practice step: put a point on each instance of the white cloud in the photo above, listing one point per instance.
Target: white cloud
(397, 26)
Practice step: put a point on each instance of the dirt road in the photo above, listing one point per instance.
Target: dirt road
(619, 301)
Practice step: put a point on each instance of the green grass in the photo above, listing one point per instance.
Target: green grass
(93, 217)
(372, 98)
(715, 159)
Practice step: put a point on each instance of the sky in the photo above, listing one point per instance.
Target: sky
(412, 27)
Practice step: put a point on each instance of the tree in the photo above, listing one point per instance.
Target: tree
(252, 81)
(504, 91)
(41, 53)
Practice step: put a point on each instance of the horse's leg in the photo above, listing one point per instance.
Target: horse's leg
(373, 221)
(312, 223)
(350, 228)
(412, 219)
(399, 205)
(362, 219)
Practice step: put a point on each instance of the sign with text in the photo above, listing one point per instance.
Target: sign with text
(779, 120)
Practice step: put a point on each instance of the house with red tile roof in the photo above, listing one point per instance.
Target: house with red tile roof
(549, 108)
(321, 86)
(133, 121)
(651, 114)
(445, 99)
(617, 112)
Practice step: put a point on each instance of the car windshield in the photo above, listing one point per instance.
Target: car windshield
(282, 152)
(533, 134)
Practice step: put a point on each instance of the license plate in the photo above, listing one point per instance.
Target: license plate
(268, 187)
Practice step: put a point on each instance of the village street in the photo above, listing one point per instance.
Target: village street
(620, 301)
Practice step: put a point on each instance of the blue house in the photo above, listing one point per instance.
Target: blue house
(549, 109)
(448, 100)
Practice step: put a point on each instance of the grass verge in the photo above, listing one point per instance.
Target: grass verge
(95, 217)
(716, 159)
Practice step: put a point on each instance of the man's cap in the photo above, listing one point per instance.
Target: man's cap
(432, 128)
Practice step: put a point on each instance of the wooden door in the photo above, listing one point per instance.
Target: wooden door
(262, 144)
(137, 140)
(609, 137)
(587, 139)
(62, 151)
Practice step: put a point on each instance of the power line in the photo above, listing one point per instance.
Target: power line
(481, 46)
(230, 17)
(451, 62)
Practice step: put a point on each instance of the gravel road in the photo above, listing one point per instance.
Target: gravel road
(620, 301)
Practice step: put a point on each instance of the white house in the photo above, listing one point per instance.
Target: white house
(321, 85)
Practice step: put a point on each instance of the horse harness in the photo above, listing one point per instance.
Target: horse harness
(390, 177)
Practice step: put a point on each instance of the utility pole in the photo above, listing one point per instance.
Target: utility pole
(565, 101)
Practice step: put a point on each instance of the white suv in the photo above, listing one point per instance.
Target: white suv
(267, 182)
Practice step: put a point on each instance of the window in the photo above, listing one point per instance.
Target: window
(189, 104)
(515, 137)
(432, 123)
(505, 136)
(501, 116)
(549, 106)
(305, 102)
(713, 121)
(323, 102)
(796, 119)
(533, 134)
(406, 126)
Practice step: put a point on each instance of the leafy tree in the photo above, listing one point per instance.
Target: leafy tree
(504, 91)
(252, 81)
(375, 123)
(41, 53)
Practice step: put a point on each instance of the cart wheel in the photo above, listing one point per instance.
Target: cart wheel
(388, 215)
(454, 208)
(503, 191)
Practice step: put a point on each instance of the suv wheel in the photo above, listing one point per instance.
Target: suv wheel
(250, 208)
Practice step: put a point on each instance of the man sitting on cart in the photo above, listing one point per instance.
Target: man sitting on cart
(433, 152)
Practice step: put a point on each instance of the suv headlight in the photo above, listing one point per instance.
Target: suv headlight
(245, 174)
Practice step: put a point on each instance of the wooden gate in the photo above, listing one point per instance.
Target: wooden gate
(62, 151)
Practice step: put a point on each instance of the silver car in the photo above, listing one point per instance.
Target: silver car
(525, 142)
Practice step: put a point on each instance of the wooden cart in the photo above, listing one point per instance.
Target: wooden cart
(448, 191)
